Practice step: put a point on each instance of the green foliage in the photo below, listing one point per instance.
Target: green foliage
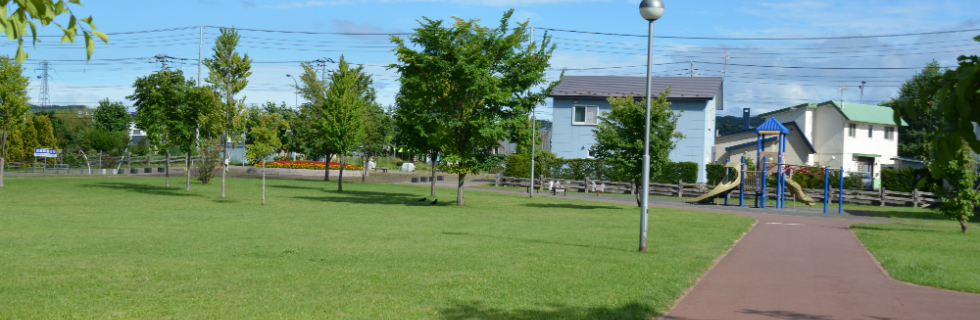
(112, 116)
(228, 75)
(13, 102)
(343, 109)
(545, 163)
(379, 130)
(263, 134)
(104, 141)
(25, 15)
(905, 180)
(915, 140)
(619, 137)
(173, 111)
(960, 199)
(676, 171)
(813, 178)
(473, 81)
(142, 148)
(311, 87)
(28, 136)
(955, 97)
(288, 116)
(45, 132)
(716, 172)
(210, 151)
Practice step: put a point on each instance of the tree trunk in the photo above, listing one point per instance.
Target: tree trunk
(167, 166)
(224, 148)
(326, 176)
(187, 171)
(340, 180)
(365, 169)
(459, 190)
(963, 225)
(263, 183)
(432, 188)
(3, 154)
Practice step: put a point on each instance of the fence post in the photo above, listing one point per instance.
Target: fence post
(496, 182)
(915, 197)
(680, 188)
(882, 190)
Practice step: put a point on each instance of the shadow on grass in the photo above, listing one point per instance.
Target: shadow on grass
(903, 228)
(567, 206)
(144, 189)
(924, 215)
(370, 197)
(533, 241)
(479, 311)
(297, 187)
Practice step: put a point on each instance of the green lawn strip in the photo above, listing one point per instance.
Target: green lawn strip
(934, 256)
(128, 248)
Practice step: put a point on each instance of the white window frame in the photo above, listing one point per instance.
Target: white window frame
(588, 154)
(595, 118)
(852, 130)
(889, 133)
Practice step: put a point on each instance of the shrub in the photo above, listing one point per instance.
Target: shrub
(716, 172)
(313, 165)
(674, 171)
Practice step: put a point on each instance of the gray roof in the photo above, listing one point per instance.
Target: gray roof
(681, 88)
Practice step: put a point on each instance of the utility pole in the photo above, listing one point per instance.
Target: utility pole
(692, 69)
(45, 98)
(862, 91)
(724, 70)
(843, 88)
(533, 119)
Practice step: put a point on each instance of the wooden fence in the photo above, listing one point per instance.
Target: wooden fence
(880, 197)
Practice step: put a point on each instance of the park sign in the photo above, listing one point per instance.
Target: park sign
(45, 153)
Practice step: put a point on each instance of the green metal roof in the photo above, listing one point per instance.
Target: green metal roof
(851, 112)
(867, 155)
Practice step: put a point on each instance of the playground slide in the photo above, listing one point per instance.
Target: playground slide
(798, 192)
(721, 188)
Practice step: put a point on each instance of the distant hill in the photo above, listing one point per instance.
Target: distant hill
(36, 109)
(729, 124)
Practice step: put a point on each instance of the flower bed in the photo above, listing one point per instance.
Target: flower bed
(314, 165)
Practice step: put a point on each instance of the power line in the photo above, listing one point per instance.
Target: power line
(764, 39)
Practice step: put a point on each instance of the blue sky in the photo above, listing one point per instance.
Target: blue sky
(114, 68)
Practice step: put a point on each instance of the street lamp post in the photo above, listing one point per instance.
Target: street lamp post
(651, 10)
(296, 93)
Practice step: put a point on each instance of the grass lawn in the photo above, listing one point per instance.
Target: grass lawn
(932, 256)
(128, 248)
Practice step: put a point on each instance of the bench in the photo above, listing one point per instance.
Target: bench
(383, 169)
(556, 187)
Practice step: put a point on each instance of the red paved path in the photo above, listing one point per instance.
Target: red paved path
(806, 268)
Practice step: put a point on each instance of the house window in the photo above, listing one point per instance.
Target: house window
(852, 130)
(586, 115)
(889, 133)
(870, 130)
(589, 154)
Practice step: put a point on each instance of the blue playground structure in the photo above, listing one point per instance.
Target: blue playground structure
(778, 133)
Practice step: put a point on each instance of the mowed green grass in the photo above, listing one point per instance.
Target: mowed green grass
(934, 256)
(129, 248)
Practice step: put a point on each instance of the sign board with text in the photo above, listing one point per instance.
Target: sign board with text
(45, 153)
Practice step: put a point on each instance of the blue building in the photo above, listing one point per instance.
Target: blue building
(578, 101)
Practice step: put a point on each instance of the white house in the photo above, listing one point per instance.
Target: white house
(859, 137)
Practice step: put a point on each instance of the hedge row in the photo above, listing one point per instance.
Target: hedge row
(519, 165)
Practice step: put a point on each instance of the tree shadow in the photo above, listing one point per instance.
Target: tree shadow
(297, 187)
(567, 206)
(144, 189)
(919, 215)
(370, 197)
(894, 227)
(789, 315)
(534, 241)
(479, 311)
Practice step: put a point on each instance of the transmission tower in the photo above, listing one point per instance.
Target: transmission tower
(322, 63)
(164, 61)
(45, 98)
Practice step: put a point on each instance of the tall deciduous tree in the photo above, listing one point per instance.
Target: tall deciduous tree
(619, 136)
(229, 72)
(26, 14)
(343, 113)
(264, 137)
(112, 116)
(476, 80)
(960, 199)
(915, 140)
(418, 129)
(955, 97)
(13, 104)
(378, 133)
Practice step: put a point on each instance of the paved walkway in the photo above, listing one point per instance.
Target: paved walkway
(804, 265)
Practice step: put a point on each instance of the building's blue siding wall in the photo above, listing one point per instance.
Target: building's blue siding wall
(696, 123)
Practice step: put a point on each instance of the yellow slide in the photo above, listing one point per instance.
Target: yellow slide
(798, 192)
(723, 187)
